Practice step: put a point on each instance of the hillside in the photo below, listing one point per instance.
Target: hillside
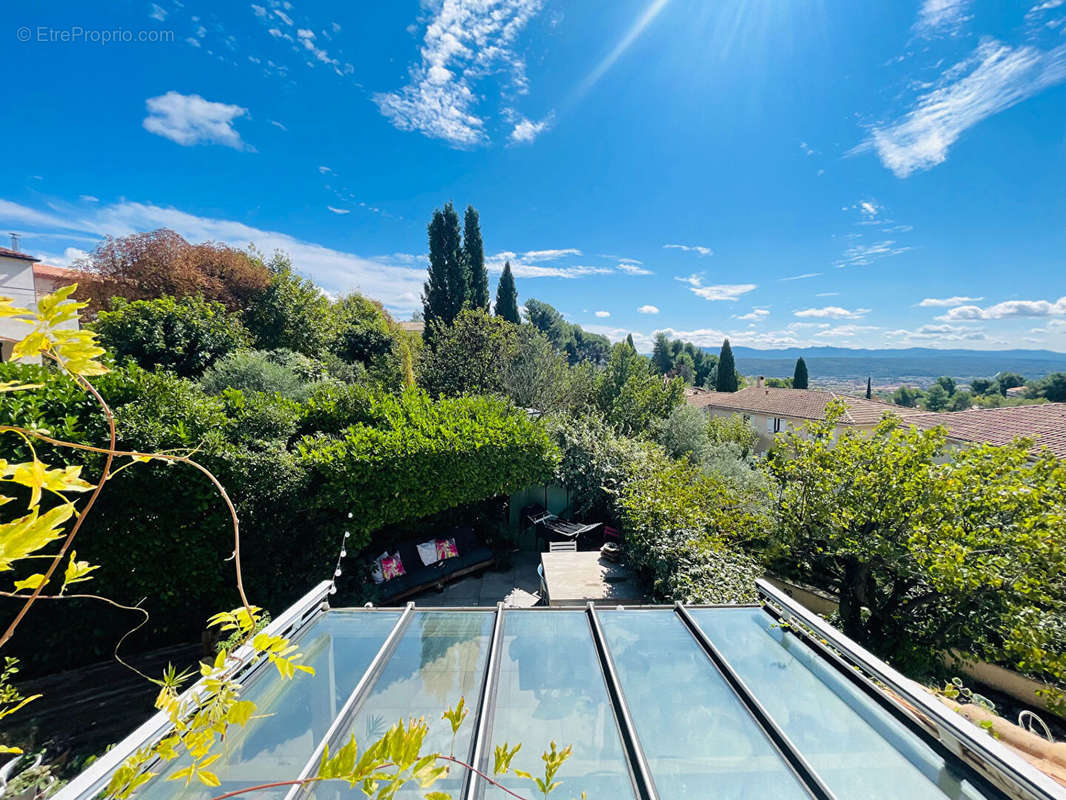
(916, 364)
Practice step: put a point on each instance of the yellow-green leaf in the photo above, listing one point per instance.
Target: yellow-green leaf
(30, 583)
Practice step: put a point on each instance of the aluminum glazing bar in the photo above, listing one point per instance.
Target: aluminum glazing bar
(343, 721)
(957, 734)
(638, 762)
(811, 780)
(480, 751)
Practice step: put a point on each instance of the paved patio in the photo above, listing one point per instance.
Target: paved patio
(517, 587)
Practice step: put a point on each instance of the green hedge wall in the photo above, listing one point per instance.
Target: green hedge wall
(424, 456)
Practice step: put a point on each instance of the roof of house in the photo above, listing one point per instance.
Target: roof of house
(41, 270)
(7, 252)
(796, 403)
(416, 326)
(1044, 423)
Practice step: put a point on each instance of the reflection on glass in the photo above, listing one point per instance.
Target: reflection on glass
(296, 713)
(551, 688)
(858, 748)
(440, 658)
(699, 739)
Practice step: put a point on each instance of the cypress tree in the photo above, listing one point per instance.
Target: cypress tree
(629, 341)
(869, 392)
(474, 250)
(727, 370)
(507, 296)
(445, 291)
(661, 357)
(799, 377)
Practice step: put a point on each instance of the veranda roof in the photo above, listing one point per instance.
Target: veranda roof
(678, 703)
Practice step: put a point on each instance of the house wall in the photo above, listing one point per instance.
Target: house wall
(18, 282)
(764, 424)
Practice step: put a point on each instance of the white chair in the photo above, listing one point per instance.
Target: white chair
(568, 546)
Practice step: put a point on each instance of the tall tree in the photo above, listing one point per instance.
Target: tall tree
(474, 252)
(799, 377)
(869, 388)
(661, 357)
(629, 341)
(727, 370)
(507, 296)
(445, 291)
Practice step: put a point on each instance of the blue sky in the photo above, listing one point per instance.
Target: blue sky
(787, 173)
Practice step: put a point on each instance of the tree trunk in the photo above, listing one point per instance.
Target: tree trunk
(853, 594)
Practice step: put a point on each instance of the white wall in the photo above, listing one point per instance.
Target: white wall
(17, 282)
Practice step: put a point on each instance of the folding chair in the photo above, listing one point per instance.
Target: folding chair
(569, 546)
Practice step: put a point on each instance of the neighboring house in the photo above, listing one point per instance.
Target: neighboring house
(772, 411)
(1017, 391)
(24, 279)
(412, 326)
(1045, 424)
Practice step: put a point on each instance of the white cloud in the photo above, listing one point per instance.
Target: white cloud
(88, 198)
(283, 16)
(325, 170)
(993, 78)
(630, 267)
(941, 16)
(828, 294)
(526, 131)
(755, 314)
(691, 248)
(523, 268)
(277, 124)
(833, 312)
(869, 209)
(802, 277)
(846, 330)
(158, 12)
(464, 41)
(648, 310)
(69, 257)
(947, 302)
(550, 255)
(339, 210)
(398, 286)
(862, 255)
(259, 11)
(603, 314)
(1009, 308)
(189, 120)
(807, 149)
(731, 291)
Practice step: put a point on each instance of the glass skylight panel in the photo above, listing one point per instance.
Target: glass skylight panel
(700, 741)
(440, 657)
(551, 688)
(292, 715)
(857, 747)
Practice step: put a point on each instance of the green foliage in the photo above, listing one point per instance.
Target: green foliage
(930, 550)
(727, 370)
(1009, 380)
(447, 287)
(936, 398)
(906, 396)
(869, 388)
(279, 371)
(960, 400)
(1052, 387)
(948, 383)
(630, 395)
(425, 456)
(186, 336)
(507, 296)
(578, 344)
(366, 335)
(469, 356)
(693, 364)
(799, 377)
(537, 377)
(474, 253)
(734, 430)
(292, 313)
(682, 529)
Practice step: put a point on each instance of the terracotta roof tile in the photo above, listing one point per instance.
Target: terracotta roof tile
(1044, 423)
(7, 252)
(796, 403)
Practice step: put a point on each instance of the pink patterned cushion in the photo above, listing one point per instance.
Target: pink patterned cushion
(446, 549)
(392, 567)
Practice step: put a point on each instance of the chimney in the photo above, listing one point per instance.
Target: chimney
(15, 241)
(760, 382)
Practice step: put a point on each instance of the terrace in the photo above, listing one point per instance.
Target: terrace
(664, 702)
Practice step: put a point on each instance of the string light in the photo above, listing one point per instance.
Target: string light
(340, 555)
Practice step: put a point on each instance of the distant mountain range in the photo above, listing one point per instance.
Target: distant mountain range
(913, 363)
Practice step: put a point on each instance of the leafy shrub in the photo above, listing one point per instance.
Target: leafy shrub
(282, 371)
(367, 336)
(469, 356)
(423, 457)
(630, 395)
(186, 336)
